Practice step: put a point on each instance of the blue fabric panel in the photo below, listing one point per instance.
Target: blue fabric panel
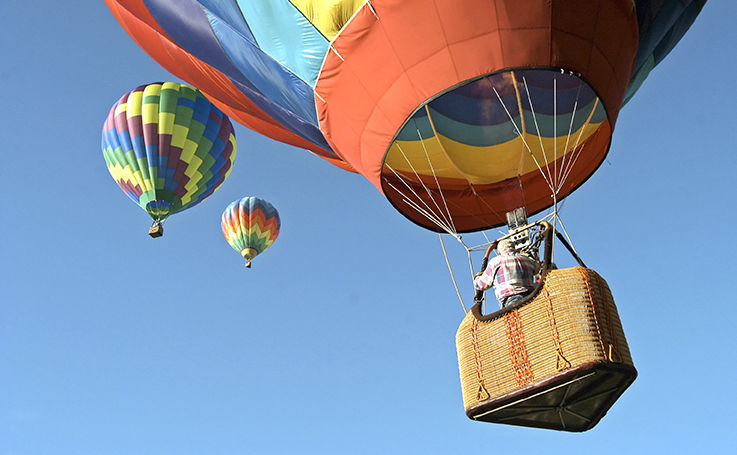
(285, 34)
(477, 104)
(185, 22)
(656, 28)
(228, 12)
(182, 99)
(152, 157)
(418, 122)
(477, 111)
(200, 109)
(488, 135)
(474, 135)
(139, 147)
(190, 28)
(271, 79)
(662, 24)
(284, 97)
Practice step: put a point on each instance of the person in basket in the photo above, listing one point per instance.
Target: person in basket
(511, 274)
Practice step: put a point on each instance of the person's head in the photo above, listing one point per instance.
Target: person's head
(505, 246)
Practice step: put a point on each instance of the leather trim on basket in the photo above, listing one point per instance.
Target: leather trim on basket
(628, 372)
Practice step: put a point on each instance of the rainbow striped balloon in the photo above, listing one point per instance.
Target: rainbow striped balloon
(250, 225)
(167, 147)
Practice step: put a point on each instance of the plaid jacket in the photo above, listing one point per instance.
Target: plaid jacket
(509, 274)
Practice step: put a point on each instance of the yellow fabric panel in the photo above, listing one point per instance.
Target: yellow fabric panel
(256, 230)
(416, 153)
(166, 122)
(189, 147)
(328, 16)
(231, 139)
(194, 175)
(179, 136)
(480, 165)
(168, 86)
(120, 108)
(125, 174)
(134, 104)
(151, 110)
(150, 114)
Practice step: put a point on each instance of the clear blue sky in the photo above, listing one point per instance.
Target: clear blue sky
(340, 339)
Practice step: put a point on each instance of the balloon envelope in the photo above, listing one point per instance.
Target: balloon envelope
(167, 147)
(456, 113)
(250, 225)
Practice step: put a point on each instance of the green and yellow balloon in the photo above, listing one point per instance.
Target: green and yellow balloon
(168, 148)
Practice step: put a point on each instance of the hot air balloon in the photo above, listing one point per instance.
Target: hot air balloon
(168, 148)
(250, 225)
(464, 115)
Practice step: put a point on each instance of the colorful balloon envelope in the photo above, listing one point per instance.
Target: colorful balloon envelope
(250, 225)
(168, 148)
(457, 113)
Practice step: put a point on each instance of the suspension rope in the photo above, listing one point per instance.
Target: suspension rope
(452, 276)
(519, 134)
(576, 149)
(432, 169)
(568, 136)
(537, 127)
(555, 138)
(523, 128)
(427, 190)
(426, 213)
(568, 237)
(452, 163)
(429, 213)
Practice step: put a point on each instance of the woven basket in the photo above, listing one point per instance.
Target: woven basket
(558, 359)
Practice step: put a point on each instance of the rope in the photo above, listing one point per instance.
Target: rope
(523, 373)
(586, 280)
(537, 126)
(575, 153)
(432, 168)
(482, 394)
(427, 190)
(565, 232)
(556, 336)
(519, 134)
(570, 128)
(429, 214)
(452, 276)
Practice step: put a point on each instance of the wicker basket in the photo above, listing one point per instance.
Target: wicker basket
(558, 359)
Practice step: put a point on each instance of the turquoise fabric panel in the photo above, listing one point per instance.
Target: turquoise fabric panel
(287, 36)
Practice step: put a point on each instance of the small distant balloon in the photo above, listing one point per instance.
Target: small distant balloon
(250, 225)
(168, 148)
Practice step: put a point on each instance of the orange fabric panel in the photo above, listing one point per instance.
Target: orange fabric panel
(390, 66)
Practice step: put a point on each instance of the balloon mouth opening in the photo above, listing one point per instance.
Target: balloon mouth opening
(248, 254)
(158, 209)
(486, 146)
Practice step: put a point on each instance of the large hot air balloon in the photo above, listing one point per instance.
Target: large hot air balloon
(250, 225)
(457, 113)
(168, 148)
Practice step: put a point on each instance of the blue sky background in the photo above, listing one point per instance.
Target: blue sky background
(340, 339)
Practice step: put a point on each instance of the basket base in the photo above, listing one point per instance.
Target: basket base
(157, 230)
(572, 400)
